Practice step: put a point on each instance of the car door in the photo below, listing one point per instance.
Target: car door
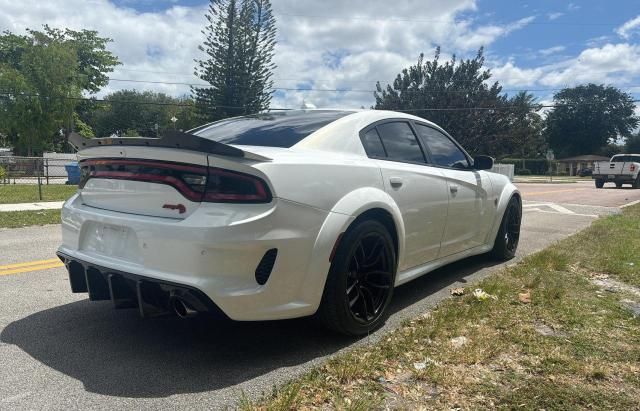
(471, 208)
(419, 190)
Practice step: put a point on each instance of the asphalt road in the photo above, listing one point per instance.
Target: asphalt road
(582, 192)
(58, 351)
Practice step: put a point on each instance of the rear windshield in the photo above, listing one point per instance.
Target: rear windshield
(625, 158)
(279, 129)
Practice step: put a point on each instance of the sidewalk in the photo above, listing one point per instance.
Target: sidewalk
(49, 205)
(546, 179)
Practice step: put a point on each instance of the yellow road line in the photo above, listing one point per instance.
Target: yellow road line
(554, 191)
(31, 268)
(38, 262)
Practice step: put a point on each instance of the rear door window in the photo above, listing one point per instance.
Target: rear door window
(400, 143)
(444, 152)
(372, 144)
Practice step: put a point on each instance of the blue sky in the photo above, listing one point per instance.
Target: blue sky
(572, 26)
(325, 45)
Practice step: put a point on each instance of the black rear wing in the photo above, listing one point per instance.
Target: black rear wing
(170, 139)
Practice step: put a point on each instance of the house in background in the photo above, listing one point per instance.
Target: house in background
(6, 152)
(572, 165)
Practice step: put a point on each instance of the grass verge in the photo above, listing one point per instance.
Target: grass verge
(15, 219)
(550, 339)
(28, 193)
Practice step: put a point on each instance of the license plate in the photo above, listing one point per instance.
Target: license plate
(111, 240)
(611, 176)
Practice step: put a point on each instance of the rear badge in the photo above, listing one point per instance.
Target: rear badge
(180, 207)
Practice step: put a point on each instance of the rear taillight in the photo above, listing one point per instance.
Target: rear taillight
(224, 186)
(632, 167)
(196, 183)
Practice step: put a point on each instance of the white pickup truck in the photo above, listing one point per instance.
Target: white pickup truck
(621, 169)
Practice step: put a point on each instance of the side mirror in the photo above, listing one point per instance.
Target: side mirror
(482, 163)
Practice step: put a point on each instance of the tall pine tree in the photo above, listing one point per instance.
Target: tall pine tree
(240, 39)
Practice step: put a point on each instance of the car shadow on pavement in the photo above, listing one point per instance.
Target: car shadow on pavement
(117, 353)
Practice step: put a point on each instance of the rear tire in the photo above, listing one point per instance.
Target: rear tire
(599, 183)
(618, 185)
(360, 283)
(636, 184)
(506, 243)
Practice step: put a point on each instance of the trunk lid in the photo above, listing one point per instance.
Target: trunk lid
(165, 177)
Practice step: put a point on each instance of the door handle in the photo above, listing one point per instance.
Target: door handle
(396, 182)
(453, 188)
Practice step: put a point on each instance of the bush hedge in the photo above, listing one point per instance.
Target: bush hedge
(538, 166)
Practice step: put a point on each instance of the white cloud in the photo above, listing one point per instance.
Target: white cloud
(164, 41)
(611, 63)
(325, 45)
(485, 35)
(331, 44)
(510, 75)
(630, 27)
(556, 15)
(551, 50)
(598, 41)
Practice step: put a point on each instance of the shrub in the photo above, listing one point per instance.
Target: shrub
(3, 173)
(524, 172)
(538, 166)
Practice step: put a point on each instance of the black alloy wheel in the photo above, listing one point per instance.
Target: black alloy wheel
(512, 231)
(370, 278)
(360, 282)
(508, 237)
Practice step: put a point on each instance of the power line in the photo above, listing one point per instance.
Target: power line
(301, 79)
(344, 90)
(109, 101)
(441, 20)
(476, 108)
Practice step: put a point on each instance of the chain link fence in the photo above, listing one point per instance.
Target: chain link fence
(32, 173)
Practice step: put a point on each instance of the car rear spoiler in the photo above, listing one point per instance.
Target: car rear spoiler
(170, 139)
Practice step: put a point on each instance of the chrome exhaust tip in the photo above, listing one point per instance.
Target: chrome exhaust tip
(182, 308)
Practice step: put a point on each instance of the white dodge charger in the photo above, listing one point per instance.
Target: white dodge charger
(281, 215)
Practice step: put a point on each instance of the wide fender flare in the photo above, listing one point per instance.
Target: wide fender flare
(503, 198)
(341, 216)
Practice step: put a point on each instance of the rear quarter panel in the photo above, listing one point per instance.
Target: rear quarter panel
(320, 179)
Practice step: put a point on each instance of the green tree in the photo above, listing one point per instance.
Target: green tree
(133, 113)
(42, 76)
(94, 60)
(632, 145)
(239, 44)
(588, 117)
(39, 96)
(525, 126)
(449, 94)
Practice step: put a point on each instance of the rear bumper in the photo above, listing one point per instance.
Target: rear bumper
(617, 178)
(214, 252)
(150, 296)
